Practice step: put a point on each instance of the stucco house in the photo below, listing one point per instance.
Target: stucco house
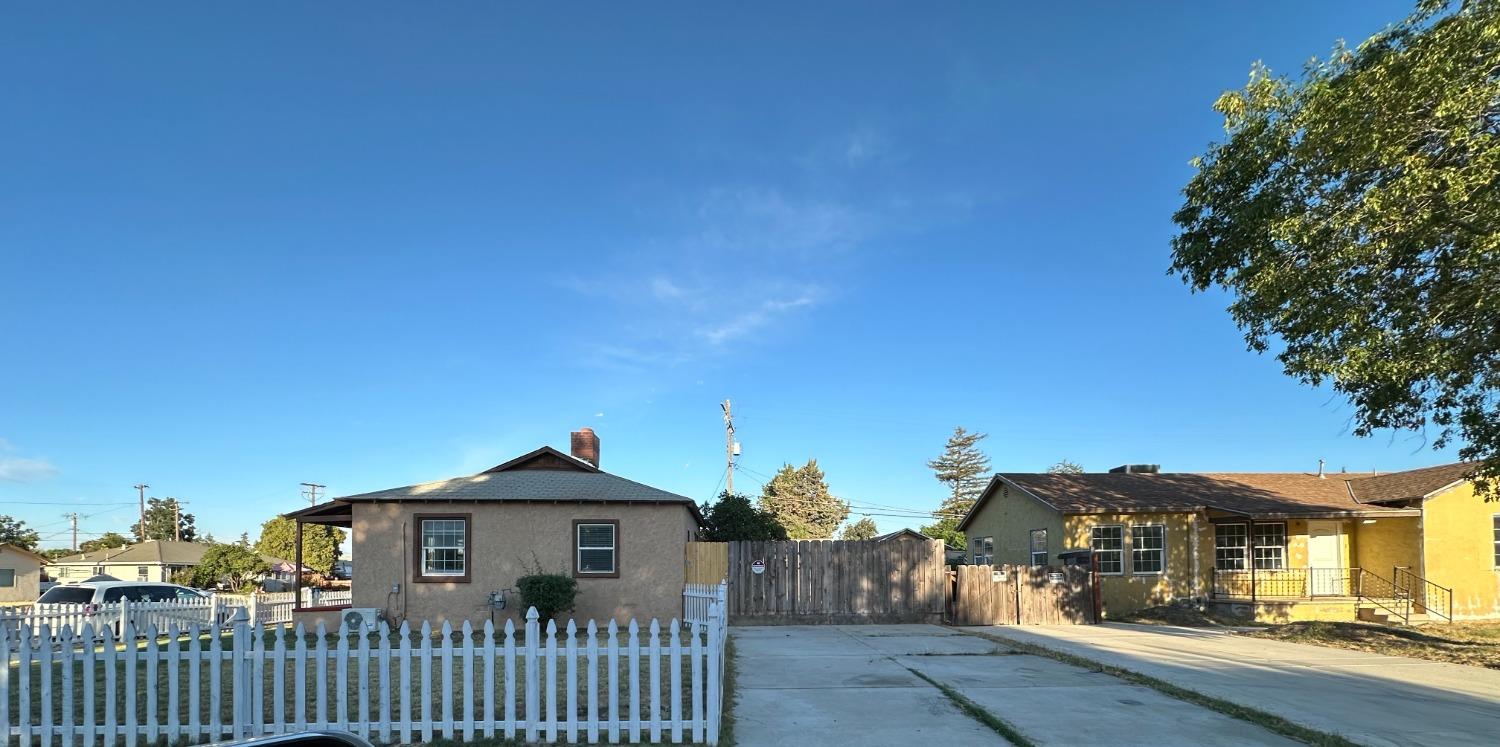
(153, 560)
(1284, 546)
(20, 574)
(453, 549)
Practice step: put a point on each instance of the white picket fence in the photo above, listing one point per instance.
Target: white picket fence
(269, 608)
(116, 615)
(699, 599)
(197, 684)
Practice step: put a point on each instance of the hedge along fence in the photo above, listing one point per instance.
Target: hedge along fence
(195, 684)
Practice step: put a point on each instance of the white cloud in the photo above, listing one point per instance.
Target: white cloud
(23, 469)
(744, 323)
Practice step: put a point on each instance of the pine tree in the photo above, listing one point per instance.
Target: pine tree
(965, 470)
(1065, 467)
(799, 499)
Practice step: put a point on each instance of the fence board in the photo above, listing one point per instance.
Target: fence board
(1022, 595)
(836, 581)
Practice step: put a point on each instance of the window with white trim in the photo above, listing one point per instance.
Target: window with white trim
(443, 550)
(1270, 546)
(1230, 541)
(596, 549)
(1108, 544)
(1148, 544)
(1038, 547)
(142, 573)
(1497, 540)
(983, 550)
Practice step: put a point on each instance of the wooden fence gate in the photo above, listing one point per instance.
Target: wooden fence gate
(836, 581)
(1022, 595)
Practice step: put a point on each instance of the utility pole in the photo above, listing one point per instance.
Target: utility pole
(141, 535)
(310, 492)
(731, 446)
(74, 518)
(176, 521)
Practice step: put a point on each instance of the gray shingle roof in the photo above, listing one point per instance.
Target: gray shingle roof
(547, 485)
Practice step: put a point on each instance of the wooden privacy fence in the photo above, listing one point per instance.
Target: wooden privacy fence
(836, 581)
(707, 562)
(190, 684)
(1022, 595)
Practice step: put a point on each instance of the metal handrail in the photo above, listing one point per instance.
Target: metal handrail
(1425, 591)
(1373, 588)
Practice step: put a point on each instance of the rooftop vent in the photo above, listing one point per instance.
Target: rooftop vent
(1136, 469)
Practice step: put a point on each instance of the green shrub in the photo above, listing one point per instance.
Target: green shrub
(549, 593)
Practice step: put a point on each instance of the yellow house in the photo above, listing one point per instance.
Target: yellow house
(1407, 546)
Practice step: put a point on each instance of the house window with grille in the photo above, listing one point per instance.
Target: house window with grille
(984, 550)
(1270, 546)
(1229, 547)
(442, 547)
(596, 548)
(1038, 547)
(1496, 521)
(1147, 548)
(1108, 544)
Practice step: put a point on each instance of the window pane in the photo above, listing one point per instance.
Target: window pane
(1229, 547)
(443, 547)
(7, 577)
(1146, 545)
(596, 535)
(596, 561)
(1270, 546)
(1108, 544)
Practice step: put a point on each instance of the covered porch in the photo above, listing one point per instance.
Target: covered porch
(334, 514)
(1346, 565)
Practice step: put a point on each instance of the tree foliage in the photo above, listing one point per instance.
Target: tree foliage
(1354, 215)
(164, 519)
(320, 544)
(733, 517)
(1065, 467)
(106, 541)
(799, 500)
(231, 565)
(860, 530)
(964, 468)
(14, 532)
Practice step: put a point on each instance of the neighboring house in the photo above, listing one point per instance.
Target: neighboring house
(951, 554)
(444, 550)
(20, 574)
(153, 560)
(1287, 545)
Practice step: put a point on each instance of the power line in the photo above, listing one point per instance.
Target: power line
(65, 505)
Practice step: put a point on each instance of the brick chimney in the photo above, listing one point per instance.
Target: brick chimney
(586, 446)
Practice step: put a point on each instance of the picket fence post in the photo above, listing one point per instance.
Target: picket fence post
(533, 690)
(715, 651)
(239, 677)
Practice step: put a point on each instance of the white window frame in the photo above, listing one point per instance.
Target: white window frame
(1031, 547)
(1281, 549)
(1243, 548)
(424, 570)
(614, 548)
(1119, 552)
(1162, 565)
(982, 550)
(1495, 524)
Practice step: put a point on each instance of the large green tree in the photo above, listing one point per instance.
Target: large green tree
(14, 532)
(165, 520)
(964, 468)
(860, 530)
(1354, 216)
(231, 565)
(799, 499)
(320, 544)
(106, 541)
(733, 517)
(1065, 467)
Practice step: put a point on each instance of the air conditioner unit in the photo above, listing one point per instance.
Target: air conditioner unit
(363, 618)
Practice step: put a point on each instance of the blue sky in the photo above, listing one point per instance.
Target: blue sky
(245, 247)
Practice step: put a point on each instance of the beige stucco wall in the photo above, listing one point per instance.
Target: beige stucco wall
(510, 538)
(1458, 550)
(74, 572)
(1009, 516)
(28, 576)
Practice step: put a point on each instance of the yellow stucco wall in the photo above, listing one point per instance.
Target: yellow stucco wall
(1458, 550)
(1387, 543)
(1009, 516)
(1181, 578)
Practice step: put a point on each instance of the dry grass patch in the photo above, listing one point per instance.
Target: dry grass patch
(1183, 616)
(1473, 643)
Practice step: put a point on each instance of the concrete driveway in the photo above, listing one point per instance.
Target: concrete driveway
(1368, 698)
(853, 684)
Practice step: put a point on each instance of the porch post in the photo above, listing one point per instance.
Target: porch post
(1250, 557)
(297, 566)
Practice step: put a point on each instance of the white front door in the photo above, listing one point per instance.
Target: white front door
(1325, 558)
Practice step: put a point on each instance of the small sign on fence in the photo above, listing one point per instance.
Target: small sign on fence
(997, 575)
(758, 567)
(1055, 577)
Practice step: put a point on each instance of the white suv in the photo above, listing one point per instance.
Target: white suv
(110, 592)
